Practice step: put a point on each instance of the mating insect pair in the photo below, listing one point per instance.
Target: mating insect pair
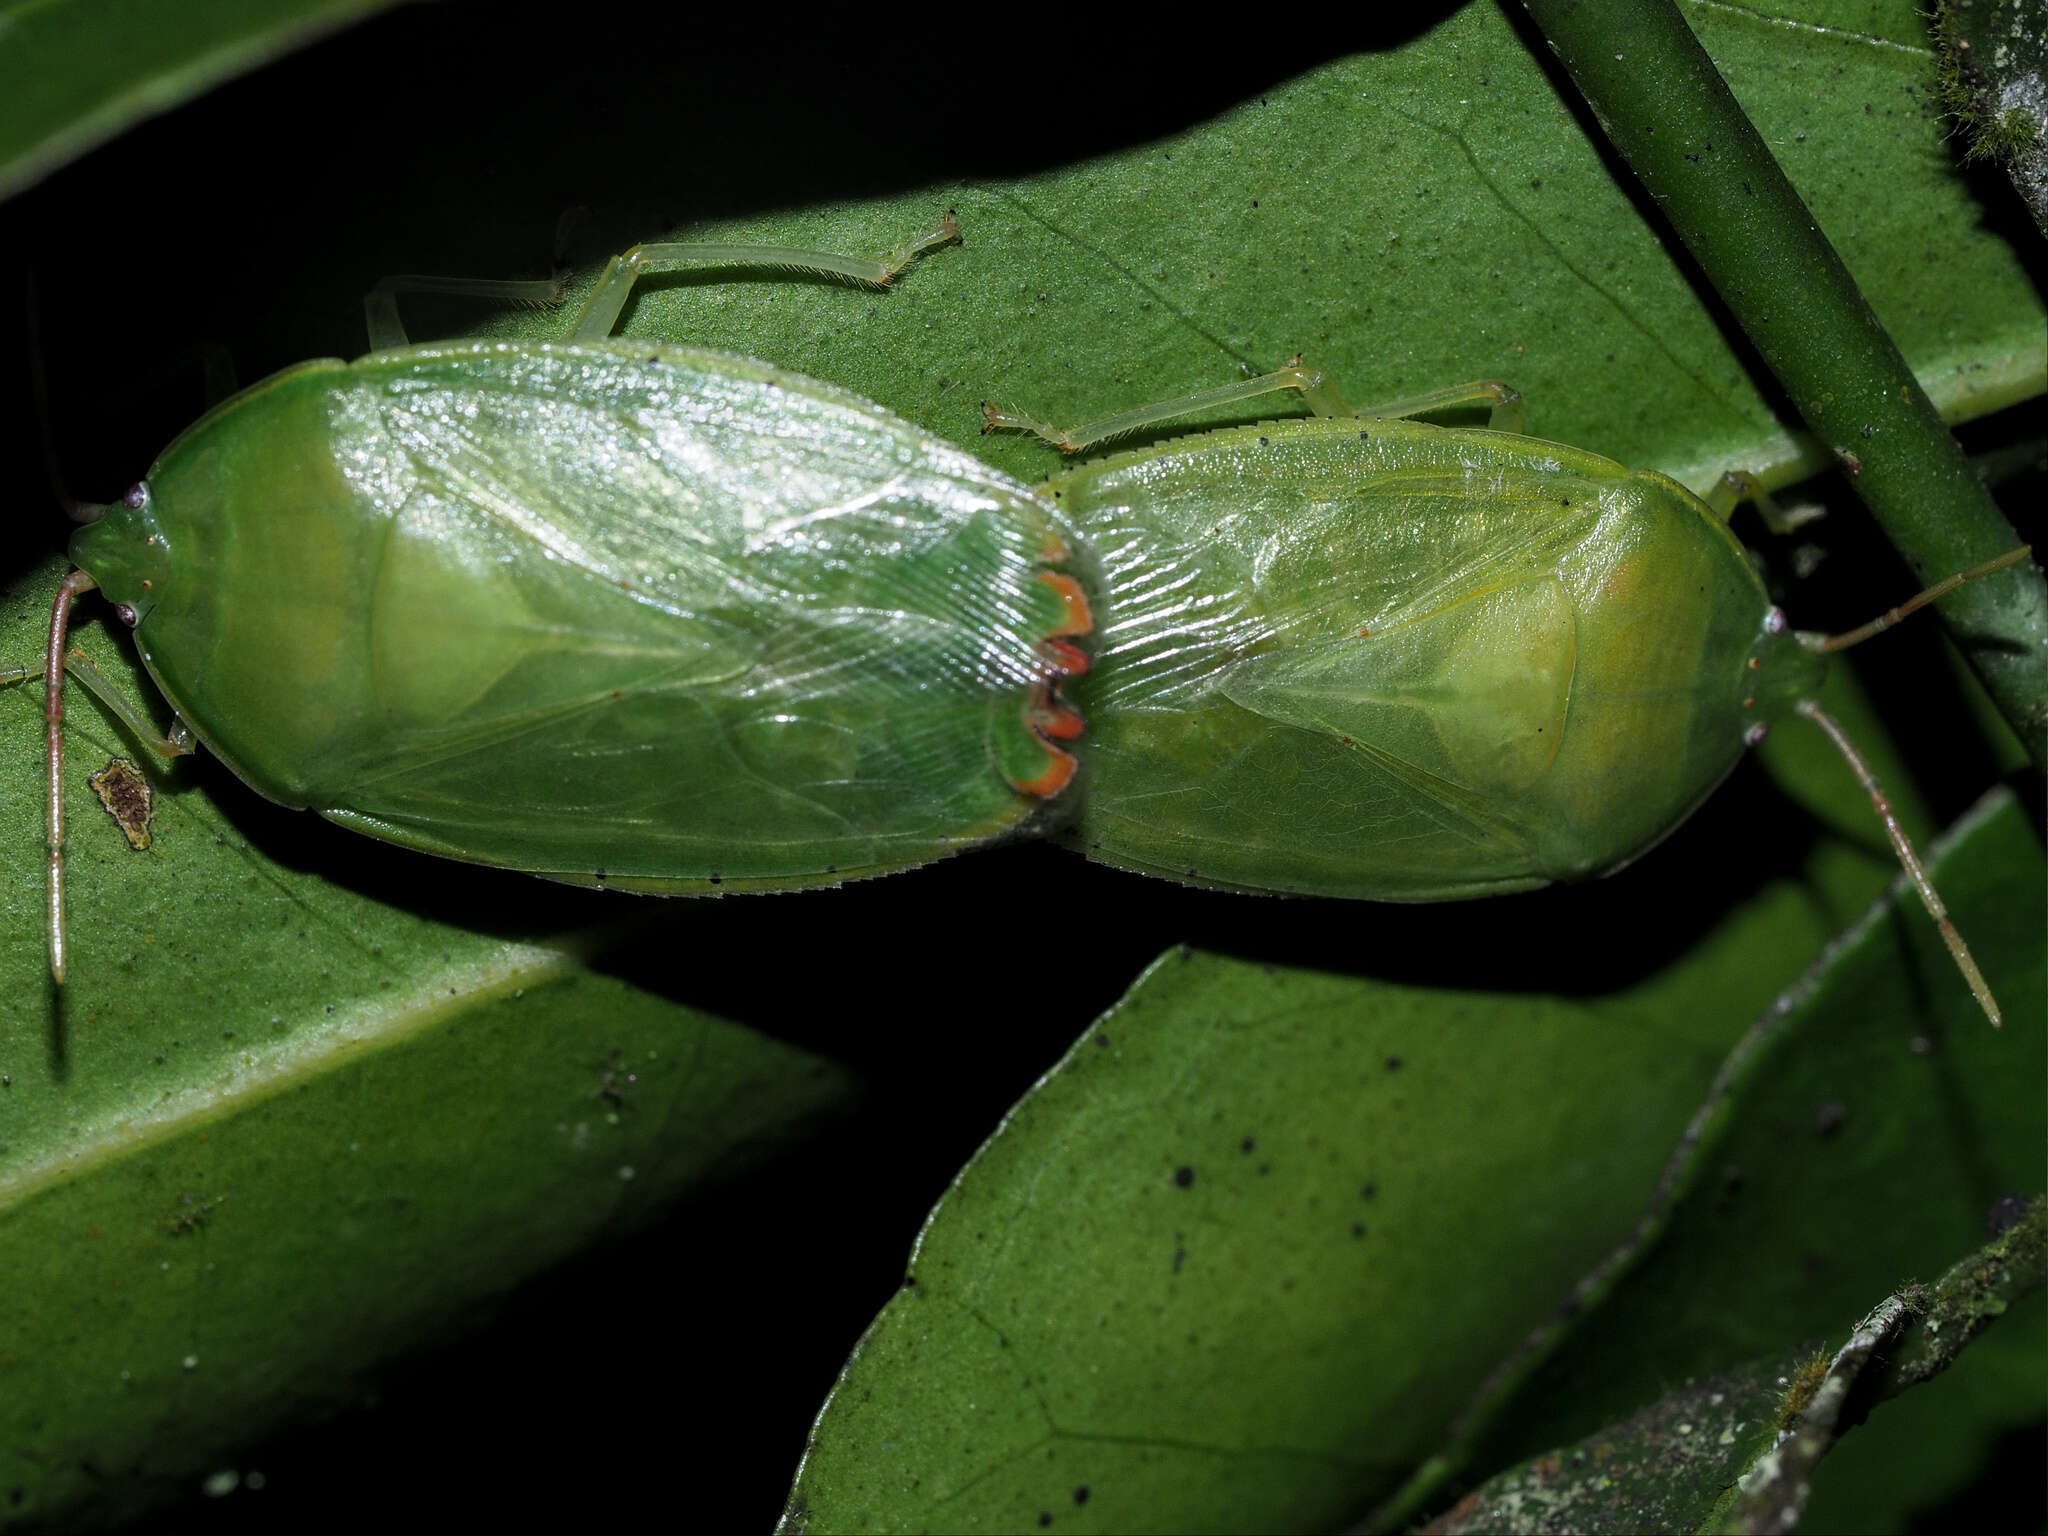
(671, 620)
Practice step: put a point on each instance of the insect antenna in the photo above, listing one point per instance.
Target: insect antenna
(1908, 859)
(1919, 600)
(53, 721)
(60, 621)
(1903, 847)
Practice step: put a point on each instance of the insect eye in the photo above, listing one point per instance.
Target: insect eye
(135, 496)
(126, 613)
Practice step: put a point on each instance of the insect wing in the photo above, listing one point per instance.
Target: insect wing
(1461, 708)
(1390, 660)
(658, 616)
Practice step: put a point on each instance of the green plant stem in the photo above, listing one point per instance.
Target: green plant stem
(1672, 117)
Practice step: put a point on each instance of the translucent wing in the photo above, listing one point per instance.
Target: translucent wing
(669, 615)
(1336, 657)
(1462, 706)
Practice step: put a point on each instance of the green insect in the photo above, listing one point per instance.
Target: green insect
(1359, 655)
(620, 614)
(670, 620)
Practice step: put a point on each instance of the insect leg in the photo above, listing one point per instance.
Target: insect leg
(608, 299)
(1503, 400)
(1313, 384)
(380, 304)
(1739, 485)
(177, 742)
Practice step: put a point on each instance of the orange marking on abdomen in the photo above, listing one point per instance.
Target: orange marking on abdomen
(1052, 721)
(1058, 771)
(1080, 620)
(1067, 660)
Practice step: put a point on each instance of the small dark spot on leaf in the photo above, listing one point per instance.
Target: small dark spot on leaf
(1184, 1176)
(1247, 1145)
(1829, 1117)
(1264, 1169)
(1367, 1190)
(1180, 1257)
(1081, 1493)
(1358, 1229)
(1393, 1063)
(909, 1281)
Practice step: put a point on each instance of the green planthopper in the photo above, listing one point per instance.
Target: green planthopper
(676, 621)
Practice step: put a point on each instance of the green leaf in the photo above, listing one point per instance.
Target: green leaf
(1266, 1240)
(1867, 1107)
(1457, 224)
(1241, 1256)
(74, 73)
